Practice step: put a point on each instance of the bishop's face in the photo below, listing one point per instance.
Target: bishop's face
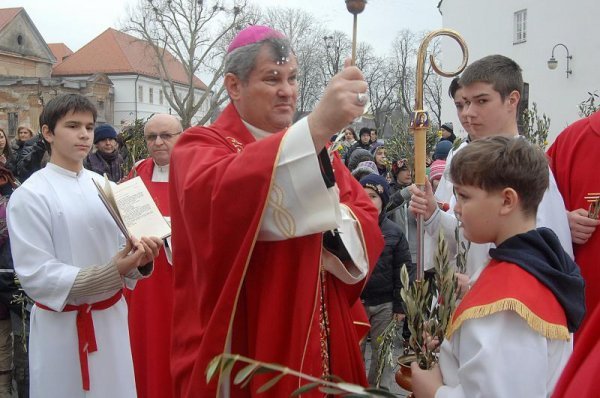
(268, 99)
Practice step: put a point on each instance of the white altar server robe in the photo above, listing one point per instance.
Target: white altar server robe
(58, 225)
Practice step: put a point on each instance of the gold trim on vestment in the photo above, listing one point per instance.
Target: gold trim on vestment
(546, 329)
(284, 221)
(312, 318)
(262, 215)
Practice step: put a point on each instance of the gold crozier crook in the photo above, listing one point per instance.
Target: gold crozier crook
(420, 122)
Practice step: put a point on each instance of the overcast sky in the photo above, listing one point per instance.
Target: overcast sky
(76, 22)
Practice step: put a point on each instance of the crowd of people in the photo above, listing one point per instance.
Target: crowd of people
(287, 244)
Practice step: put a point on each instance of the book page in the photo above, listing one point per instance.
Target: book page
(112, 208)
(109, 194)
(138, 210)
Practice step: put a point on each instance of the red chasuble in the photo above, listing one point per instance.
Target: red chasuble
(574, 162)
(236, 294)
(150, 308)
(503, 286)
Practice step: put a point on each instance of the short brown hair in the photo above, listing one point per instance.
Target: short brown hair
(495, 163)
(501, 72)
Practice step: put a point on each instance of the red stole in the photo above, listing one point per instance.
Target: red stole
(150, 308)
(263, 295)
(503, 286)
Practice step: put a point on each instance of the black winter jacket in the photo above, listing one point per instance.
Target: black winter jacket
(384, 283)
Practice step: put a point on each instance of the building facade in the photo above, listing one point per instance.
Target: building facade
(26, 84)
(528, 31)
(132, 67)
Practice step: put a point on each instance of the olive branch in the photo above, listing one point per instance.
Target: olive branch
(428, 312)
(222, 364)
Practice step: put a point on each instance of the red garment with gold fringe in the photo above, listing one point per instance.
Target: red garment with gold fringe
(503, 286)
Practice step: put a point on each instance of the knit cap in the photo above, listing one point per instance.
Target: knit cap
(436, 170)
(442, 149)
(103, 132)
(378, 184)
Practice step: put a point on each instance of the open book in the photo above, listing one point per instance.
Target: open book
(133, 209)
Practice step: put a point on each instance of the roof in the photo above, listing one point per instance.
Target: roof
(7, 15)
(60, 51)
(115, 52)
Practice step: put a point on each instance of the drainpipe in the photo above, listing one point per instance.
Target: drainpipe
(136, 95)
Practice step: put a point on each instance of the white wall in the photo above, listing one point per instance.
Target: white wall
(125, 87)
(487, 27)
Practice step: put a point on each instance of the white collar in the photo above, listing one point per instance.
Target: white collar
(257, 133)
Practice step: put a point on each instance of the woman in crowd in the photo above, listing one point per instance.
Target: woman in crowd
(350, 139)
(378, 151)
(5, 151)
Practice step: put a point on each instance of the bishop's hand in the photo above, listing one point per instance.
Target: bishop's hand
(343, 101)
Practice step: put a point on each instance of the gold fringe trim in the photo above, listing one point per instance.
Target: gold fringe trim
(546, 329)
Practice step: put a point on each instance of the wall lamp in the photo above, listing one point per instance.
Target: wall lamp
(553, 63)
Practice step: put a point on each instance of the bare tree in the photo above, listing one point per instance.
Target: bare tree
(336, 47)
(379, 73)
(404, 49)
(404, 52)
(305, 35)
(432, 87)
(194, 32)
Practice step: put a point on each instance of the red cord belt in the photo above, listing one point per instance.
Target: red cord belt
(85, 330)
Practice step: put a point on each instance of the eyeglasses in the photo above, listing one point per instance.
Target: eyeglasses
(163, 136)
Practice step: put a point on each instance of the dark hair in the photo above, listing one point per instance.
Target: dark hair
(495, 163)
(7, 152)
(364, 130)
(242, 60)
(454, 86)
(501, 72)
(353, 132)
(59, 106)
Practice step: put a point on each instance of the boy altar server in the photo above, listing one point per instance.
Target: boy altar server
(65, 247)
(510, 336)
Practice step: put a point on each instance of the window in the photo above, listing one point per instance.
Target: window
(520, 27)
(13, 122)
(151, 95)
(161, 97)
(140, 94)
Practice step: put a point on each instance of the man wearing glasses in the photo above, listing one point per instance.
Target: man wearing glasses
(150, 304)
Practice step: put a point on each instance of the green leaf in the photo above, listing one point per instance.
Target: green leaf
(305, 388)
(330, 390)
(228, 364)
(245, 372)
(212, 367)
(270, 383)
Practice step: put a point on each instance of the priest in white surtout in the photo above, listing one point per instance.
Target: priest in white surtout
(66, 254)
